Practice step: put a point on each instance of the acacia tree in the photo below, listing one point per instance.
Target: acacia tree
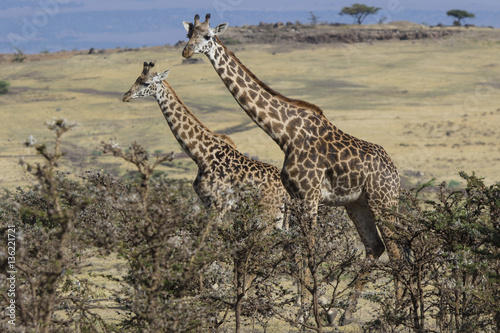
(359, 11)
(459, 15)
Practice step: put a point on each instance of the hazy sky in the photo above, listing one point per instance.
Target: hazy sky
(34, 25)
(13, 8)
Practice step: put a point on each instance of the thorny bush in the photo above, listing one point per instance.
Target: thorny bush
(451, 268)
(188, 271)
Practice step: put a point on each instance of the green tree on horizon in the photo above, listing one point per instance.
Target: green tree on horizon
(459, 15)
(359, 11)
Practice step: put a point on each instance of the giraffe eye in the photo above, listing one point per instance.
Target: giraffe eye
(207, 37)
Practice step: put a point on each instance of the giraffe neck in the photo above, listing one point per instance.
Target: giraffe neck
(269, 109)
(195, 139)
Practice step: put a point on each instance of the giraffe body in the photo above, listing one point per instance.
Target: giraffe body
(223, 172)
(322, 165)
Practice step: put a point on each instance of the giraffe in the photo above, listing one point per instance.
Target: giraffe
(322, 164)
(222, 170)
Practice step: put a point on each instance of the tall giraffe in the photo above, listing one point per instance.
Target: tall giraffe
(222, 170)
(322, 165)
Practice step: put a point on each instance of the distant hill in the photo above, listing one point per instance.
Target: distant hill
(122, 28)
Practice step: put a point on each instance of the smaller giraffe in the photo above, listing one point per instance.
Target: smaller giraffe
(223, 171)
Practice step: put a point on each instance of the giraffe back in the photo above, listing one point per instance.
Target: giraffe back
(229, 176)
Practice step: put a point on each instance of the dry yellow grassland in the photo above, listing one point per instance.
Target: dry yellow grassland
(433, 104)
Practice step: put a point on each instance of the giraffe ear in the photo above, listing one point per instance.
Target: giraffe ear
(162, 76)
(188, 26)
(219, 30)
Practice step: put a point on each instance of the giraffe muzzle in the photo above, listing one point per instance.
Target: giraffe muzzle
(188, 51)
(127, 97)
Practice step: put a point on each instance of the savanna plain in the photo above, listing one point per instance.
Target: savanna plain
(433, 104)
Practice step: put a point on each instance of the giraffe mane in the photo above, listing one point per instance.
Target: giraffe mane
(227, 139)
(223, 137)
(296, 102)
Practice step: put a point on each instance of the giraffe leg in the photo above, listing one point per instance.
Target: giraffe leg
(304, 216)
(392, 250)
(364, 220)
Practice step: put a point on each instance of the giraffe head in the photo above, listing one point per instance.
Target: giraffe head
(201, 36)
(146, 84)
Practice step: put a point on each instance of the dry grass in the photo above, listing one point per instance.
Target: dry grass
(100, 272)
(433, 104)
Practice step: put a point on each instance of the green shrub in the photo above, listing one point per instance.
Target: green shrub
(450, 273)
(187, 270)
(42, 221)
(4, 87)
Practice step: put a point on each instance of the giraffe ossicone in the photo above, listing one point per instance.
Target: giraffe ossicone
(223, 172)
(322, 165)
